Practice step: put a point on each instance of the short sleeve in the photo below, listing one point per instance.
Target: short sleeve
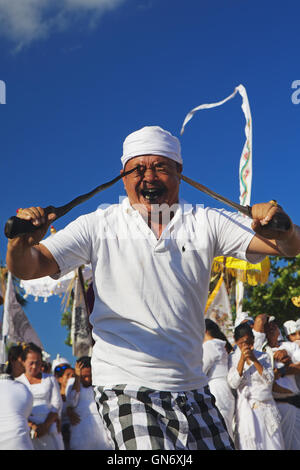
(71, 246)
(233, 235)
(209, 356)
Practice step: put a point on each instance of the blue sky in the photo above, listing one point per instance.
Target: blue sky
(80, 76)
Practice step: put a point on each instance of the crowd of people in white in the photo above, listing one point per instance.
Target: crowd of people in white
(48, 406)
(254, 380)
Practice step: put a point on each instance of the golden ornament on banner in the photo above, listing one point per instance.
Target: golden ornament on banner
(245, 272)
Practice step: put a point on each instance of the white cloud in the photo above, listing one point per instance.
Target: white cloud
(24, 21)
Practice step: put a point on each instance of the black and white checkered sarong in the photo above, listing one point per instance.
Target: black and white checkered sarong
(146, 419)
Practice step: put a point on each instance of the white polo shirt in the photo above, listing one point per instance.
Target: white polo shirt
(150, 295)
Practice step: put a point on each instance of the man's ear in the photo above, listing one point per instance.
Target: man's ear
(179, 170)
(123, 179)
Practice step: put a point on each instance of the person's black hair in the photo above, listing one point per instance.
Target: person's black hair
(242, 330)
(14, 353)
(30, 347)
(85, 361)
(214, 330)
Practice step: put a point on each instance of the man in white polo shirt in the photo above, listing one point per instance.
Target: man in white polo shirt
(151, 257)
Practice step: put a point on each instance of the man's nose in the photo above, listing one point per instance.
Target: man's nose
(149, 174)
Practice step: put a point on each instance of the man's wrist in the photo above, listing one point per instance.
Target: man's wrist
(282, 370)
(290, 245)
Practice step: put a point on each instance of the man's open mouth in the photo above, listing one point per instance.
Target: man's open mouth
(152, 194)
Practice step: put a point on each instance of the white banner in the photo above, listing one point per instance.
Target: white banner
(218, 309)
(81, 338)
(16, 326)
(245, 167)
(245, 178)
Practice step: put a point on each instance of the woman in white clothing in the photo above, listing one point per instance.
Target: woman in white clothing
(15, 365)
(251, 374)
(216, 348)
(15, 406)
(47, 402)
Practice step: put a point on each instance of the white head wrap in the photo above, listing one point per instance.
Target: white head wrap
(291, 327)
(151, 140)
(242, 317)
(59, 361)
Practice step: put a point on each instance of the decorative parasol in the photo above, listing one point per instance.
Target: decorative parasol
(45, 287)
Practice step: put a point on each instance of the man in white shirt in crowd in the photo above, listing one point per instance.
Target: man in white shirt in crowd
(151, 257)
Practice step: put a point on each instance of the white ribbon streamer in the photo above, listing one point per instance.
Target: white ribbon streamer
(245, 167)
(205, 106)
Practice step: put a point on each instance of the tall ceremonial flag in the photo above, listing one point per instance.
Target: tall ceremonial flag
(16, 326)
(245, 177)
(81, 338)
(245, 167)
(245, 170)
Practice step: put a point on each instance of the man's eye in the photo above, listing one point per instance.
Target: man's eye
(140, 169)
(161, 168)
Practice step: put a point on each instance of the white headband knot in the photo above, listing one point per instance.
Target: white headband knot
(291, 327)
(151, 140)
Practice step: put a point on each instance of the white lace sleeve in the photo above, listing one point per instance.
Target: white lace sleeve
(234, 379)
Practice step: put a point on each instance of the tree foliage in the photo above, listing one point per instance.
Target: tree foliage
(275, 297)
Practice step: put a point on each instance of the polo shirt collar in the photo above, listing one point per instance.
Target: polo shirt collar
(184, 207)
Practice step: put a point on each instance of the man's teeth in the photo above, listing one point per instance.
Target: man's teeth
(151, 193)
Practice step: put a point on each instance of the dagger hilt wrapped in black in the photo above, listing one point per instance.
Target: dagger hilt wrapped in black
(16, 227)
(279, 221)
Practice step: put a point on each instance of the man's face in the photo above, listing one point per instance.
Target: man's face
(155, 182)
(272, 331)
(245, 341)
(86, 376)
(33, 364)
(18, 367)
(68, 373)
(294, 336)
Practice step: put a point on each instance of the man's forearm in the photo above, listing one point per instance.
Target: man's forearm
(292, 369)
(29, 262)
(258, 366)
(291, 246)
(21, 259)
(240, 366)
